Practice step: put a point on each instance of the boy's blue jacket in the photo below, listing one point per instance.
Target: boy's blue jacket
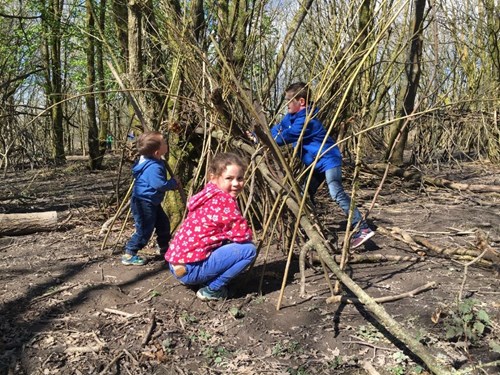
(288, 131)
(151, 180)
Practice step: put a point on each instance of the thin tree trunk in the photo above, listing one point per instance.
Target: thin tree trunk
(400, 130)
(287, 43)
(104, 115)
(95, 157)
(121, 24)
(52, 26)
(135, 58)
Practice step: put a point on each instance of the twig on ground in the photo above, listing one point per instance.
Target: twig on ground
(118, 312)
(361, 342)
(59, 290)
(84, 349)
(345, 299)
(466, 269)
(134, 361)
(113, 361)
(149, 330)
(368, 367)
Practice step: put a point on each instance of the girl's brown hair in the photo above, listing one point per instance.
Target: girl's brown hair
(221, 161)
(148, 143)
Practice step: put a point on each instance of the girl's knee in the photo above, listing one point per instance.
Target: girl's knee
(251, 252)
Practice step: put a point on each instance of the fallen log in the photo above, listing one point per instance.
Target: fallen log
(26, 223)
(413, 175)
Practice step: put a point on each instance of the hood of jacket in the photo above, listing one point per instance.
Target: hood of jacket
(211, 190)
(141, 165)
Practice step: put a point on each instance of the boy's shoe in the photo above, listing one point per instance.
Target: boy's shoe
(361, 237)
(133, 260)
(207, 294)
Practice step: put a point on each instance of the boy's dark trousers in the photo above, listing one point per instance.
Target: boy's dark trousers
(148, 217)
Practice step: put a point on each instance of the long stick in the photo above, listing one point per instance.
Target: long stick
(411, 293)
(378, 311)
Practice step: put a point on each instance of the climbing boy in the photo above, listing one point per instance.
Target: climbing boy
(329, 164)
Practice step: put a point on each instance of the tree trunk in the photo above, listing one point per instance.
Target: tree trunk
(157, 61)
(135, 59)
(52, 26)
(121, 24)
(287, 43)
(104, 115)
(198, 19)
(95, 156)
(400, 130)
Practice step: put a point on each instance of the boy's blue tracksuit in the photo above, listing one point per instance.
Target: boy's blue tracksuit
(148, 193)
(329, 165)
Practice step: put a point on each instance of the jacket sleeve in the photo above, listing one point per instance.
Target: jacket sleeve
(157, 179)
(287, 131)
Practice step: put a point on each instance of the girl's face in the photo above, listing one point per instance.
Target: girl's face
(230, 181)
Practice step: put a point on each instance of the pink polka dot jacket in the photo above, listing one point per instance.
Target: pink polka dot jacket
(213, 220)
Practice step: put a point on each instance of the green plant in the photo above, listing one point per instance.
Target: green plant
(200, 336)
(466, 321)
(335, 363)
(369, 333)
(289, 347)
(204, 335)
(155, 293)
(186, 317)
(401, 361)
(168, 345)
(495, 346)
(259, 299)
(417, 370)
(216, 355)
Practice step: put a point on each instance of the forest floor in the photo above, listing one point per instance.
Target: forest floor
(68, 307)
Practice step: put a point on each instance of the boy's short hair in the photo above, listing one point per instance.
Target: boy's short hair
(300, 90)
(220, 161)
(148, 143)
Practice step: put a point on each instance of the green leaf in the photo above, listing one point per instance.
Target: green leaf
(495, 346)
(452, 332)
(418, 369)
(468, 333)
(479, 327)
(467, 317)
(236, 313)
(483, 316)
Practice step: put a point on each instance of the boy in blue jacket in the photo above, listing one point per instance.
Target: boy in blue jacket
(149, 190)
(329, 165)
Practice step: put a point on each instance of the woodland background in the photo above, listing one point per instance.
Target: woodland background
(404, 86)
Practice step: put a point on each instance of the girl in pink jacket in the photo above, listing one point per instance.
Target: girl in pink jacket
(214, 243)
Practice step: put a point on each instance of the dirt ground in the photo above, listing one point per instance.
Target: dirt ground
(68, 307)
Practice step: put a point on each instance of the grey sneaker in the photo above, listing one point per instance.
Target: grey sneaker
(361, 237)
(207, 294)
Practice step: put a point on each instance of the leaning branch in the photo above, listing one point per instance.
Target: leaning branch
(396, 329)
